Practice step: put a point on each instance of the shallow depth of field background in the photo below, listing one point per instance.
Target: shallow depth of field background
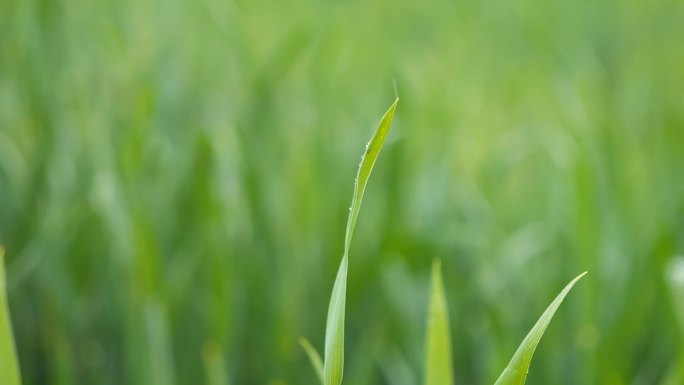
(175, 178)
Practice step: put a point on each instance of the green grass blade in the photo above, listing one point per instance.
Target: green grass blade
(674, 273)
(314, 357)
(516, 371)
(438, 365)
(334, 332)
(214, 367)
(367, 162)
(9, 367)
(161, 368)
(675, 279)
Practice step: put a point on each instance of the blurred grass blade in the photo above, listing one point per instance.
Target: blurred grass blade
(438, 366)
(674, 273)
(213, 365)
(161, 369)
(9, 367)
(675, 375)
(516, 371)
(675, 278)
(63, 360)
(334, 332)
(314, 357)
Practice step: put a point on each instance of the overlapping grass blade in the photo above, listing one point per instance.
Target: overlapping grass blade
(438, 365)
(9, 367)
(314, 357)
(334, 333)
(516, 371)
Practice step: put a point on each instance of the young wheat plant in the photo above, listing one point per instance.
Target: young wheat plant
(438, 361)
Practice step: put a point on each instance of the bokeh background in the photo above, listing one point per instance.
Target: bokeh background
(175, 178)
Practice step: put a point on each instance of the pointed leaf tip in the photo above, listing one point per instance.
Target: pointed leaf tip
(438, 365)
(516, 371)
(368, 159)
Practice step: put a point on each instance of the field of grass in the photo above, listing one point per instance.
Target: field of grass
(175, 178)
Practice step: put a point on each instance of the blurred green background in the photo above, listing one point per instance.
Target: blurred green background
(175, 178)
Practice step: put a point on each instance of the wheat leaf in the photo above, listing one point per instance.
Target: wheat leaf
(334, 332)
(516, 371)
(438, 365)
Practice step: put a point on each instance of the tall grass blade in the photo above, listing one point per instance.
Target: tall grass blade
(9, 367)
(334, 329)
(516, 371)
(314, 357)
(334, 333)
(438, 365)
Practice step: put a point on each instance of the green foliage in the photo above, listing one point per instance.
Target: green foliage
(438, 366)
(9, 367)
(333, 366)
(197, 152)
(365, 167)
(516, 371)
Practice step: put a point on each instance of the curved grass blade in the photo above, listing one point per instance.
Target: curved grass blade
(314, 357)
(365, 167)
(9, 367)
(334, 332)
(516, 371)
(438, 365)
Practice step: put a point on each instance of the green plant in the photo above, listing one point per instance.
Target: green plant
(516, 371)
(438, 367)
(330, 371)
(438, 361)
(438, 352)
